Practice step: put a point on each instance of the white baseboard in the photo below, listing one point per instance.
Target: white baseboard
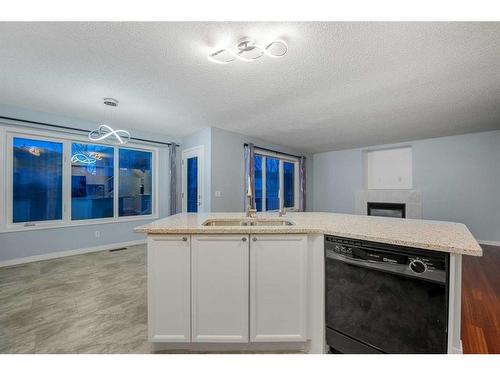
(60, 254)
(491, 243)
(459, 350)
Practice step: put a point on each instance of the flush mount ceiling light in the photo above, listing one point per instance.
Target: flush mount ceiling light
(248, 50)
(106, 132)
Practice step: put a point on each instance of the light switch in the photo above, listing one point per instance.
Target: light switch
(218, 194)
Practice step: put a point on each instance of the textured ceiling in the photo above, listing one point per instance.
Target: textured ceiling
(341, 85)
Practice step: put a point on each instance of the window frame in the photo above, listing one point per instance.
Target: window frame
(282, 158)
(8, 132)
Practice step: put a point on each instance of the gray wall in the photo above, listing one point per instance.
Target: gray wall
(228, 169)
(22, 244)
(459, 177)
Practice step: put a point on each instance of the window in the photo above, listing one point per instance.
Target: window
(37, 172)
(276, 177)
(92, 171)
(55, 181)
(135, 182)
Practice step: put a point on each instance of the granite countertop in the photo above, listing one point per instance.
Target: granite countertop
(424, 234)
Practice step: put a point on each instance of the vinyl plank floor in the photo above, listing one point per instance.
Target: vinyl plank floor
(90, 303)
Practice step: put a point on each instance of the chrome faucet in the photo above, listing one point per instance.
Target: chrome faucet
(251, 212)
(282, 210)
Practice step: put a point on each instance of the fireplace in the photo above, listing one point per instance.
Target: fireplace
(386, 209)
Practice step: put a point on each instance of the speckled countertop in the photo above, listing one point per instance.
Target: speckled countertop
(424, 234)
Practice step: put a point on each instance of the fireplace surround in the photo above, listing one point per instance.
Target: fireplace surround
(412, 199)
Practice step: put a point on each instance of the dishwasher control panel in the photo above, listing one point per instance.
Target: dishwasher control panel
(416, 261)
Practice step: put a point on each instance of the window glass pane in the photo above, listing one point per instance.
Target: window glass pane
(192, 184)
(36, 180)
(135, 182)
(91, 181)
(257, 159)
(289, 183)
(272, 184)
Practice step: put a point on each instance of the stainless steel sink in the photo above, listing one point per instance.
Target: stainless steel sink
(246, 222)
(273, 222)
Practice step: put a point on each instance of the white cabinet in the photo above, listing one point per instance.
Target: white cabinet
(169, 288)
(278, 287)
(219, 284)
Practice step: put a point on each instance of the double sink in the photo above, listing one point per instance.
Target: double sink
(251, 222)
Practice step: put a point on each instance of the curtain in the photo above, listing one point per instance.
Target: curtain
(173, 178)
(302, 183)
(249, 175)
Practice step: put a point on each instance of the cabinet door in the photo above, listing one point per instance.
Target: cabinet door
(219, 280)
(278, 287)
(169, 316)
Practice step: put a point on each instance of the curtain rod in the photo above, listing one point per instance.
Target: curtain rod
(82, 130)
(276, 152)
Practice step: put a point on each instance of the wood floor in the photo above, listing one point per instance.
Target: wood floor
(481, 302)
(96, 303)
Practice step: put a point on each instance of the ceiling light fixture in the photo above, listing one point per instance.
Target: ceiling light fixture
(248, 50)
(111, 102)
(104, 132)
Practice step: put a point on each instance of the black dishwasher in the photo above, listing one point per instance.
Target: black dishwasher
(385, 299)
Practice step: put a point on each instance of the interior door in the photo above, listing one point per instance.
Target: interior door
(192, 181)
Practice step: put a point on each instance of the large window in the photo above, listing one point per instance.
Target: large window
(135, 182)
(58, 181)
(37, 171)
(92, 171)
(276, 178)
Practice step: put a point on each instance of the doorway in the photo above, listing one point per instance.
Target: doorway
(192, 179)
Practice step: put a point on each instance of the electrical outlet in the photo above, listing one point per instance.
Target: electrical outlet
(218, 193)
(97, 234)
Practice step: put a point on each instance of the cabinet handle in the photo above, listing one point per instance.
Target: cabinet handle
(184, 239)
(254, 239)
(244, 239)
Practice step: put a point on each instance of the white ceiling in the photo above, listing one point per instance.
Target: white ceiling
(341, 85)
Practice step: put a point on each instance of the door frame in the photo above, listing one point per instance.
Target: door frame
(199, 152)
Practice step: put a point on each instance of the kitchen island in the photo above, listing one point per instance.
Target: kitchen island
(223, 282)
